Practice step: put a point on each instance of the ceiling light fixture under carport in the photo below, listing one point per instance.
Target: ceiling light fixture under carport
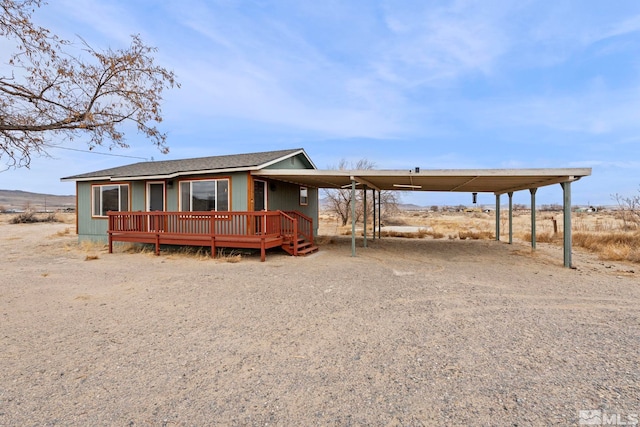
(415, 187)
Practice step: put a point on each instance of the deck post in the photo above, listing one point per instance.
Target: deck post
(353, 217)
(263, 250)
(157, 243)
(110, 225)
(566, 222)
(533, 217)
(497, 217)
(295, 236)
(212, 231)
(365, 215)
(510, 217)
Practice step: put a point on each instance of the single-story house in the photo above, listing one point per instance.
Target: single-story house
(270, 199)
(181, 202)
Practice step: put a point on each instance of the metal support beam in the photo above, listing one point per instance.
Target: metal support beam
(353, 217)
(510, 217)
(365, 182)
(533, 217)
(379, 214)
(566, 222)
(364, 197)
(497, 217)
(374, 213)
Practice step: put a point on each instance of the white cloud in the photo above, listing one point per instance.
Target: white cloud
(432, 45)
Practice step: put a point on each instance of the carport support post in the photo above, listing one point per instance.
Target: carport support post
(379, 214)
(510, 217)
(497, 217)
(365, 215)
(374, 213)
(353, 217)
(533, 217)
(566, 222)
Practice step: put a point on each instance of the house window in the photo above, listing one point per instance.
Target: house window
(204, 195)
(110, 198)
(304, 196)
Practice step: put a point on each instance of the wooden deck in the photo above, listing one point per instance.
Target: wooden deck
(291, 230)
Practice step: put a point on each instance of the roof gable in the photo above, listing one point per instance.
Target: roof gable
(201, 165)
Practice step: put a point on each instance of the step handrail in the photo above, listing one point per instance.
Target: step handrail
(305, 224)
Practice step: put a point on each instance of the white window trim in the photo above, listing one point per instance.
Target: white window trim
(216, 180)
(93, 204)
(306, 197)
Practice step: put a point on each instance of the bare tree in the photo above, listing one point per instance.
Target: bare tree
(339, 200)
(50, 91)
(629, 210)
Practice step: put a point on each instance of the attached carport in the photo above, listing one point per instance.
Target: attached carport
(496, 181)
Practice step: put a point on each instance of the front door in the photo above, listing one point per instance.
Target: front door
(155, 202)
(155, 196)
(259, 195)
(260, 204)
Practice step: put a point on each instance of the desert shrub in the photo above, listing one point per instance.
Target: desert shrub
(24, 218)
(29, 216)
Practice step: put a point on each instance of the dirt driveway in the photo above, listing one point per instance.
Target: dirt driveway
(408, 333)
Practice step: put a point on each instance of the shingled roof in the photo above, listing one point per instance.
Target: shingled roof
(173, 168)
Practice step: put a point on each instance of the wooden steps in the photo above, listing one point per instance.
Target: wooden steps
(304, 247)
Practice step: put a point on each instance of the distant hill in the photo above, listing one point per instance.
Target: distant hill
(16, 200)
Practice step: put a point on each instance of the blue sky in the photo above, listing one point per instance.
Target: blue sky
(434, 84)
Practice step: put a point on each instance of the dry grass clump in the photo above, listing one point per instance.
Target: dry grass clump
(544, 237)
(137, 248)
(91, 257)
(435, 234)
(62, 233)
(476, 235)
(420, 234)
(92, 246)
(325, 240)
(231, 257)
(613, 246)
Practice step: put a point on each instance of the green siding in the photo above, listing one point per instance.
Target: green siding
(171, 202)
(138, 196)
(285, 196)
(296, 162)
(239, 196)
(88, 227)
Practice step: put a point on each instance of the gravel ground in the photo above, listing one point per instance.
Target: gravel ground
(408, 333)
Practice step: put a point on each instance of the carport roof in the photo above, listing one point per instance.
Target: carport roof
(498, 181)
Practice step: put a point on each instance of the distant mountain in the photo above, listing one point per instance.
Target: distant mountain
(16, 200)
(410, 207)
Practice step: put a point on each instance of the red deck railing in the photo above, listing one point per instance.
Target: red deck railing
(262, 229)
(305, 224)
